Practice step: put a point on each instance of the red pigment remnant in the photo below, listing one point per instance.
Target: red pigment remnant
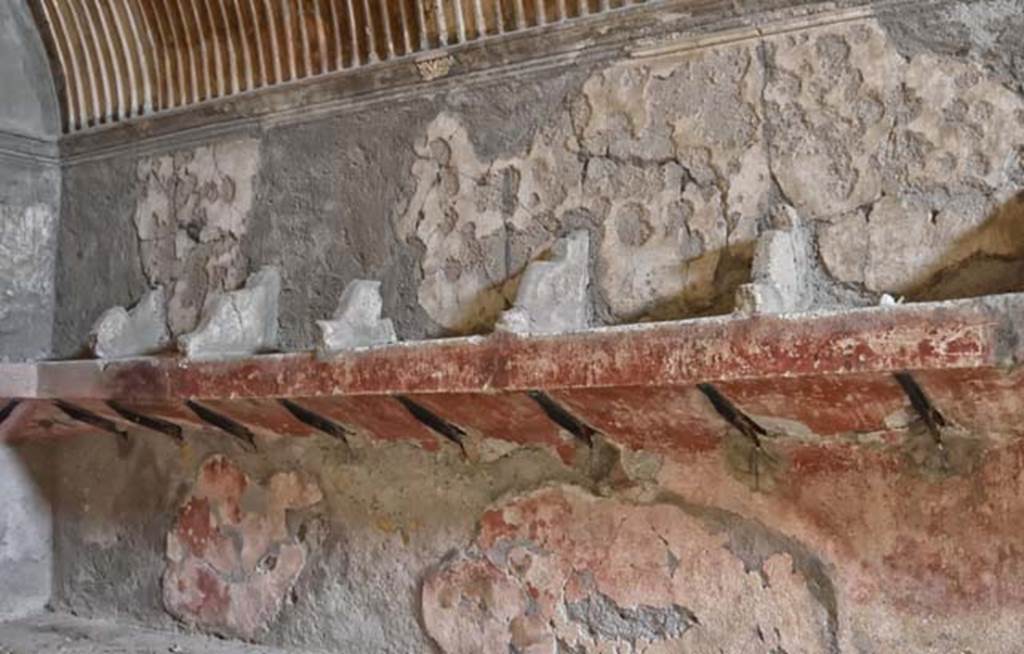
(600, 575)
(907, 540)
(662, 420)
(214, 579)
(225, 484)
(380, 417)
(195, 526)
(213, 592)
(959, 334)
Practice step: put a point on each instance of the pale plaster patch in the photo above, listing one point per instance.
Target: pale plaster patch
(911, 161)
(192, 212)
(905, 168)
(630, 158)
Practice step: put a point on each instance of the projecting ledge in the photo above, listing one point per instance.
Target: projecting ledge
(830, 373)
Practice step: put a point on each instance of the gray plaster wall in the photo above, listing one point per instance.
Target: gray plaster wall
(896, 140)
(899, 147)
(26, 532)
(29, 218)
(29, 104)
(29, 187)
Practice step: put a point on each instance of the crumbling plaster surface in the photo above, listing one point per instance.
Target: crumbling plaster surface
(908, 170)
(324, 549)
(847, 548)
(900, 152)
(26, 533)
(902, 156)
(561, 570)
(213, 583)
(192, 213)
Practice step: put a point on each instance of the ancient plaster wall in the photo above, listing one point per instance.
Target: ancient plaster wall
(898, 142)
(29, 213)
(29, 188)
(29, 104)
(26, 532)
(902, 155)
(390, 546)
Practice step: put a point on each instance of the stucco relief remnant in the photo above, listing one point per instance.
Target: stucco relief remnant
(628, 159)
(905, 168)
(192, 212)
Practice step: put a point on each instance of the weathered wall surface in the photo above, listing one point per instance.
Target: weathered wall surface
(30, 185)
(29, 214)
(26, 532)
(29, 188)
(901, 151)
(898, 141)
(391, 546)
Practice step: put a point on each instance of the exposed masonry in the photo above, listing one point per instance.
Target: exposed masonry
(608, 621)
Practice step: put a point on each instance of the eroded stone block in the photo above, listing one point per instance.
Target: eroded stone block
(357, 322)
(553, 295)
(120, 332)
(238, 323)
(780, 271)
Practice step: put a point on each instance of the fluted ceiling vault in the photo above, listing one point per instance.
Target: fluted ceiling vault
(121, 59)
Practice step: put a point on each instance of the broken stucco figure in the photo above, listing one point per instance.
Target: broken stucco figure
(553, 295)
(357, 321)
(780, 269)
(121, 333)
(238, 323)
(233, 555)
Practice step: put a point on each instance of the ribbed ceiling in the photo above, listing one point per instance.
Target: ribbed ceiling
(126, 58)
